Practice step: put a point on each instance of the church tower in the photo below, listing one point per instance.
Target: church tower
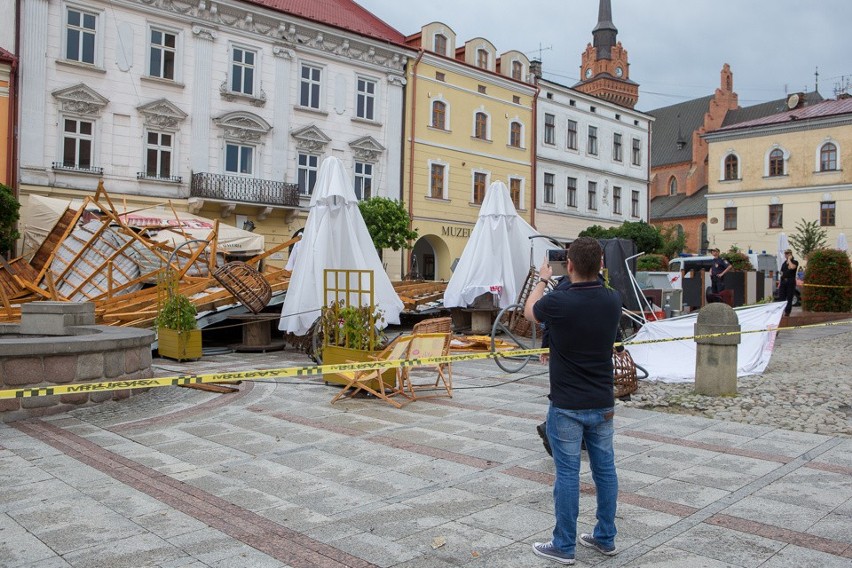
(605, 72)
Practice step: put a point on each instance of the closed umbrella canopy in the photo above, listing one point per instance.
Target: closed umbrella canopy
(335, 237)
(841, 242)
(782, 246)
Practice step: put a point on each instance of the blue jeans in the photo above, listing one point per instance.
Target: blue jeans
(565, 430)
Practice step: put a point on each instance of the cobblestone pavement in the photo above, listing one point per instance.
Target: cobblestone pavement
(275, 476)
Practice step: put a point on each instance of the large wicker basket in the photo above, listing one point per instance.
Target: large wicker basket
(624, 373)
(246, 284)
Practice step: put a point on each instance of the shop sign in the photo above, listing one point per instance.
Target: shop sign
(451, 231)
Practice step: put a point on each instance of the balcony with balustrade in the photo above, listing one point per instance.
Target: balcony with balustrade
(230, 191)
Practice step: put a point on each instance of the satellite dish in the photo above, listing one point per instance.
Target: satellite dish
(793, 101)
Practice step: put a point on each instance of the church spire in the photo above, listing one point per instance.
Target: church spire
(605, 32)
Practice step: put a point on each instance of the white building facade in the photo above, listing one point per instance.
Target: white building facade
(224, 108)
(592, 164)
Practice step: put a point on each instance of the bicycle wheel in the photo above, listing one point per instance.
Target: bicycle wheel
(521, 336)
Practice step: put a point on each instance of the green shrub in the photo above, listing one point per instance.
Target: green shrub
(178, 313)
(738, 259)
(828, 282)
(9, 215)
(652, 262)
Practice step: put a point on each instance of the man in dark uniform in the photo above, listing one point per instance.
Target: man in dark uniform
(788, 280)
(718, 268)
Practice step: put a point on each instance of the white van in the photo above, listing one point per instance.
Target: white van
(687, 263)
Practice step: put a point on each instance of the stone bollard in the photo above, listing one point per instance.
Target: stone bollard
(716, 357)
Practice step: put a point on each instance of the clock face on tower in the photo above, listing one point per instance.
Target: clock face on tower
(588, 72)
(619, 71)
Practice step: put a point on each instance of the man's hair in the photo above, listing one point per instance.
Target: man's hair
(585, 253)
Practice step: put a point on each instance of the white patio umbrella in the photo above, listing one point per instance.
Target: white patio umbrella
(782, 246)
(841, 242)
(336, 237)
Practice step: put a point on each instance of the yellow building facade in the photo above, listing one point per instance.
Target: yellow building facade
(469, 122)
(769, 174)
(7, 62)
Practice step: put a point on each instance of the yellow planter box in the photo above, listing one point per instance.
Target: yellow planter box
(179, 345)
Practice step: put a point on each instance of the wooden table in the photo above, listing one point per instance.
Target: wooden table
(257, 333)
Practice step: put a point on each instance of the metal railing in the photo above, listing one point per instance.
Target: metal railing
(244, 189)
(154, 177)
(69, 167)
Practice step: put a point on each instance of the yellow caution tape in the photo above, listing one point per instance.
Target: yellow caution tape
(825, 286)
(315, 370)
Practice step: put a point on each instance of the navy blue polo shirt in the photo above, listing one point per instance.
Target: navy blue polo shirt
(582, 322)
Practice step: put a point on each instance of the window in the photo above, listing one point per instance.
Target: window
(776, 163)
(482, 59)
(439, 115)
(828, 157)
(634, 204)
(309, 90)
(239, 158)
(80, 34)
(776, 216)
(440, 76)
(515, 135)
(593, 196)
(77, 140)
(572, 134)
(481, 89)
(365, 105)
(436, 181)
(158, 155)
(616, 200)
(517, 70)
(548, 189)
(307, 173)
(515, 191)
(163, 50)
(826, 213)
(616, 147)
(363, 180)
(672, 185)
(441, 44)
(549, 129)
(730, 218)
(592, 146)
(571, 192)
(731, 167)
(636, 157)
(479, 181)
(480, 126)
(516, 99)
(242, 70)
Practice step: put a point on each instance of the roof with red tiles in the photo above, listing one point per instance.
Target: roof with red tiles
(7, 56)
(343, 14)
(832, 107)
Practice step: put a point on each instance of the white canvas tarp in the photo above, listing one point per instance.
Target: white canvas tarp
(674, 362)
(335, 237)
(496, 259)
(38, 217)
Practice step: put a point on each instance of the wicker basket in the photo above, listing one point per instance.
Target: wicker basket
(246, 284)
(433, 325)
(624, 373)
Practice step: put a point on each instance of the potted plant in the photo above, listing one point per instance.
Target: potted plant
(350, 334)
(178, 335)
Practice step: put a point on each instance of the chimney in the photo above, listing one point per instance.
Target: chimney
(535, 68)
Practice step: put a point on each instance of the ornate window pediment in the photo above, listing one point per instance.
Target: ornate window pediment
(162, 114)
(243, 126)
(310, 139)
(81, 100)
(366, 149)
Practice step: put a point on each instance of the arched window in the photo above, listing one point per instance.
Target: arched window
(515, 135)
(776, 163)
(672, 185)
(517, 70)
(731, 167)
(480, 128)
(439, 115)
(828, 157)
(440, 44)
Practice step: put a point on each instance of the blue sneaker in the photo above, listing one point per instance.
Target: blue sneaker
(592, 542)
(546, 550)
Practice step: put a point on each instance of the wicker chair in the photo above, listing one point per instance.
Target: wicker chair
(433, 325)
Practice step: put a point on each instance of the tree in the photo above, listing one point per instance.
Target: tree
(809, 237)
(9, 215)
(387, 222)
(647, 237)
(674, 241)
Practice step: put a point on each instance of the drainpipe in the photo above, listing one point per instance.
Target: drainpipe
(648, 172)
(534, 152)
(412, 130)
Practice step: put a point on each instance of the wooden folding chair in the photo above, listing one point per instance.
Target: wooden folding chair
(363, 380)
(425, 345)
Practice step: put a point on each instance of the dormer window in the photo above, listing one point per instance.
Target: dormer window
(517, 70)
(440, 44)
(482, 59)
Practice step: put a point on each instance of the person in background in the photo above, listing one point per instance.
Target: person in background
(788, 280)
(718, 269)
(582, 321)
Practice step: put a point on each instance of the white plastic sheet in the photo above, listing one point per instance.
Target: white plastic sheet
(335, 237)
(674, 362)
(496, 258)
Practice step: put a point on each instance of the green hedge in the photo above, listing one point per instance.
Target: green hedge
(828, 282)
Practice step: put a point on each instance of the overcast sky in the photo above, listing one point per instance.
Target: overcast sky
(676, 48)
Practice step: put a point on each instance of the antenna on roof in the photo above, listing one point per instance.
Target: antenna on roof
(539, 50)
(816, 80)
